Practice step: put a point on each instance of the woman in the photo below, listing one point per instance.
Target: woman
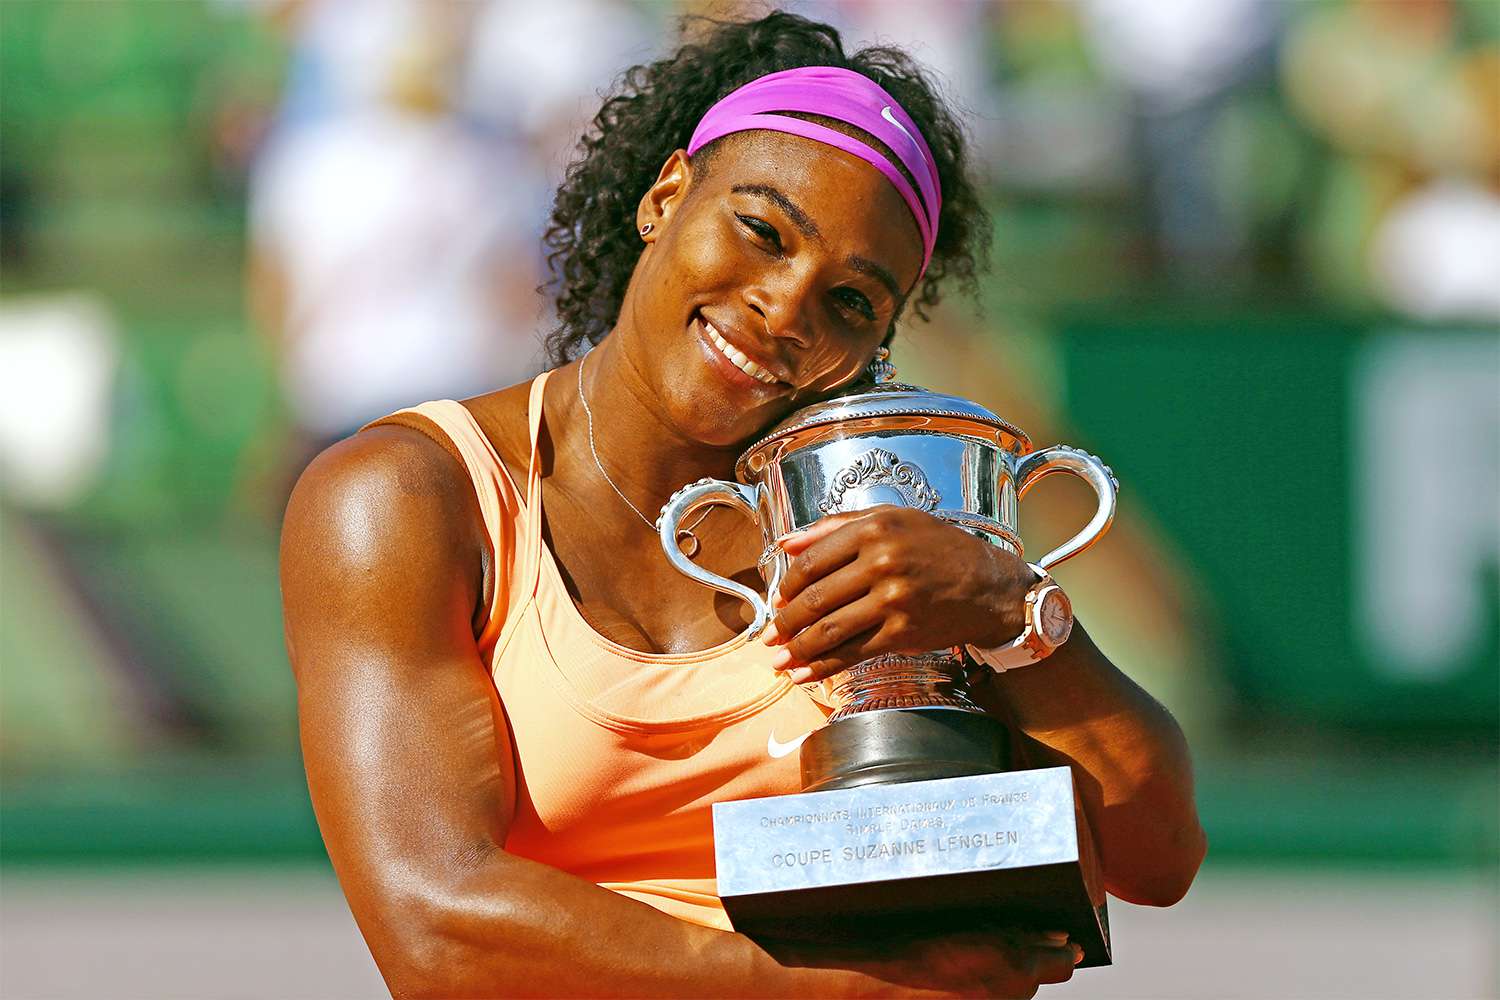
(516, 714)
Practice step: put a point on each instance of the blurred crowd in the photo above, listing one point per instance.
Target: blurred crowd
(232, 232)
(397, 158)
(397, 202)
(1248, 251)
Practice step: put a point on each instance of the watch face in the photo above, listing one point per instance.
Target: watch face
(1054, 616)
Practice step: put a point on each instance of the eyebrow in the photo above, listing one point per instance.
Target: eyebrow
(807, 227)
(865, 265)
(799, 218)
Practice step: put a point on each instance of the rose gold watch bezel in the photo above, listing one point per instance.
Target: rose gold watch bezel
(1044, 595)
(1036, 639)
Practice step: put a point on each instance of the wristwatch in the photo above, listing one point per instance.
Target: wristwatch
(1049, 622)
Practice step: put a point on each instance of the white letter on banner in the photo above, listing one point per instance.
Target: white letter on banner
(1426, 499)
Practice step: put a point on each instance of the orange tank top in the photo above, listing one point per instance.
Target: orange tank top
(619, 754)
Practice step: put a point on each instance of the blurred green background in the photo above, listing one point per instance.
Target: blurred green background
(1247, 252)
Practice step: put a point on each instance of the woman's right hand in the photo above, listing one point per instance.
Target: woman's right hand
(980, 963)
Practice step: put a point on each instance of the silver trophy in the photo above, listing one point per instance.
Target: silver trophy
(902, 722)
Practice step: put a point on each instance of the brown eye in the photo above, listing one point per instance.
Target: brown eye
(762, 229)
(854, 301)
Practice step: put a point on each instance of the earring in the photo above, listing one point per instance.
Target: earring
(646, 229)
(880, 370)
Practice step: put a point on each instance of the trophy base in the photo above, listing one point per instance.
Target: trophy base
(868, 862)
(902, 744)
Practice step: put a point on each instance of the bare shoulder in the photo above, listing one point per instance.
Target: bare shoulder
(388, 477)
(381, 543)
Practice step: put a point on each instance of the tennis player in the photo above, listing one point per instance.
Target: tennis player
(516, 714)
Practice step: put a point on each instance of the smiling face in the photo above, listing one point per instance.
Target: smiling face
(771, 275)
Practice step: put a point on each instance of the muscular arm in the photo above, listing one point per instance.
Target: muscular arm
(1076, 708)
(409, 764)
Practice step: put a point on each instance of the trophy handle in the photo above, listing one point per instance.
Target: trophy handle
(1061, 458)
(693, 497)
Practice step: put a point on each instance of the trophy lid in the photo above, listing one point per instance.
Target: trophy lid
(884, 405)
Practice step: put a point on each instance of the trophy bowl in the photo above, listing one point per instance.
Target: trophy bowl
(910, 809)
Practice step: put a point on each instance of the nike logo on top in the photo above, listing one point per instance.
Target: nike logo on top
(885, 113)
(776, 748)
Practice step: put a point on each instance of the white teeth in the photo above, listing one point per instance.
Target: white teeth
(737, 357)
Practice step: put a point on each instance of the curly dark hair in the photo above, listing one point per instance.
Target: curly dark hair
(591, 242)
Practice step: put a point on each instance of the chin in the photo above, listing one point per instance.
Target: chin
(715, 421)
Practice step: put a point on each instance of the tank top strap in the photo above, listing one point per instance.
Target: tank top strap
(533, 560)
(450, 424)
(512, 529)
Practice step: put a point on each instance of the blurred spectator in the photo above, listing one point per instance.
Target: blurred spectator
(378, 241)
(1179, 60)
(540, 96)
(397, 208)
(1410, 106)
(381, 230)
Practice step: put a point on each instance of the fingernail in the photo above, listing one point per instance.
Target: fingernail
(800, 674)
(782, 657)
(1077, 953)
(778, 601)
(771, 636)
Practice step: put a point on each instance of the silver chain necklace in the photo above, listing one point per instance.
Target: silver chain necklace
(690, 544)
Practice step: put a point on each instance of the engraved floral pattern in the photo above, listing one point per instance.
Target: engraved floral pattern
(878, 467)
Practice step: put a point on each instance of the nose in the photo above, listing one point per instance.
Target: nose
(781, 303)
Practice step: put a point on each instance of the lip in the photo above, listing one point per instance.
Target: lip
(745, 346)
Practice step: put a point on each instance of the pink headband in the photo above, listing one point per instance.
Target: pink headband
(849, 97)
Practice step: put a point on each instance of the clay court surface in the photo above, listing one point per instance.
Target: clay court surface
(285, 933)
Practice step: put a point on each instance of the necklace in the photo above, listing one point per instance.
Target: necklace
(689, 545)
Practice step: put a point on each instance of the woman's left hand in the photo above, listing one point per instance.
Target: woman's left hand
(891, 580)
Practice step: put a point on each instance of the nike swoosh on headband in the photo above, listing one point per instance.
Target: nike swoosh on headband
(776, 748)
(885, 113)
